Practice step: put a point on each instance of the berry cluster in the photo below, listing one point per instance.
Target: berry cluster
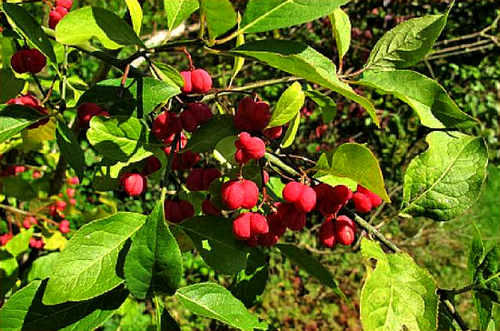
(28, 60)
(61, 9)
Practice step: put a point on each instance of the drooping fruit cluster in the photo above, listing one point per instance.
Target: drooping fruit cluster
(196, 81)
(29, 100)
(60, 10)
(28, 60)
(178, 210)
(134, 184)
(240, 193)
(340, 230)
(248, 148)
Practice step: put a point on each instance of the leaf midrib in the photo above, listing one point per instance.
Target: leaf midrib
(242, 30)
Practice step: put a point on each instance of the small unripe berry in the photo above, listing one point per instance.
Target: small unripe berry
(252, 116)
(208, 208)
(153, 164)
(302, 196)
(293, 218)
(239, 194)
(273, 133)
(177, 211)
(134, 184)
(327, 234)
(65, 3)
(248, 148)
(28, 60)
(361, 202)
(248, 225)
(196, 81)
(64, 226)
(166, 124)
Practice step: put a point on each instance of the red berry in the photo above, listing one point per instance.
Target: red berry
(196, 81)
(28, 60)
(302, 196)
(73, 181)
(248, 148)
(65, 3)
(273, 133)
(33, 242)
(327, 234)
(194, 181)
(209, 175)
(19, 169)
(209, 209)
(249, 225)
(61, 205)
(72, 201)
(36, 174)
(29, 100)
(293, 218)
(329, 200)
(348, 221)
(26, 224)
(5, 238)
(276, 226)
(40, 244)
(170, 140)
(252, 116)
(195, 114)
(344, 233)
(86, 111)
(361, 202)
(166, 124)
(64, 226)
(266, 177)
(177, 211)
(54, 19)
(268, 239)
(134, 184)
(184, 160)
(374, 198)
(70, 192)
(240, 194)
(153, 164)
(61, 10)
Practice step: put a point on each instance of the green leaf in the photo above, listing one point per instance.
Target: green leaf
(30, 28)
(19, 243)
(291, 132)
(341, 26)
(476, 252)
(220, 16)
(208, 135)
(43, 266)
(81, 25)
(214, 239)
(8, 273)
(25, 310)
(484, 308)
(238, 60)
(356, 162)
(17, 187)
(90, 265)
(135, 11)
(288, 106)
(445, 320)
(446, 179)
(334, 180)
(11, 85)
(138, 97)
(118, 138)
(178, 10)
(15, 118)
(397, 294)
(430, 101)
(214, 301)
(249, 284)
(310, 265)
(487, 277)
(260, 16)
(167, 321)
(169, 73)
(324, 103)
(70, 148)
(407, 43)
(303, 61)
(153, 263)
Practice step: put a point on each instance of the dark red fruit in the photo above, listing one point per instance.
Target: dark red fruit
(361, 202)
(28, 60)
(166, 124)
(64, 226)
(248, 148)
(302, 196)
(169, 141)
(293, 218)
(88, 110)
(252, 116)
(344, 232)
(29, 100)
(200, 179)
(61, 205)
(54, 19)
(177, 211)
(195, 114)
(268, 239)
(196, 81)
(273, 133)
(65, 3)
(327, 234)
(248, 225)
(5, 238)
(153, 164)
(329, 200)
(134, 184)
(240, 194)
(184, 160)
(208, 208)
(276, 226)
(374, 198)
